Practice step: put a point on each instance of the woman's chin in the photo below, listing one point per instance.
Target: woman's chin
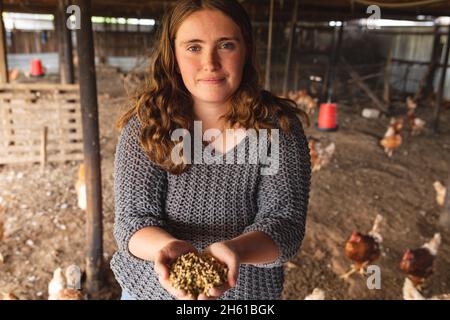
(214, 99)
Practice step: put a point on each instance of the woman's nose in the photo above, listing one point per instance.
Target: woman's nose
(211, 61)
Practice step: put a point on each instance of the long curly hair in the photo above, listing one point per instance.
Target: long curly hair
(164, 104)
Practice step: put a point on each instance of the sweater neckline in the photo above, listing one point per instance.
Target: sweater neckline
(232, 150)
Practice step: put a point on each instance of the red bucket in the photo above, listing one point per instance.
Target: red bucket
(327, 117)
(36, 68)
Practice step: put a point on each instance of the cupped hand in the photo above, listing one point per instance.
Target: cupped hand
(165, 258)
(227, 254)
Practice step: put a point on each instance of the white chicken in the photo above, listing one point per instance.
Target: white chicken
(80, 186)
(317, 294)
(58, 288)
(411, 293)
(441, 190)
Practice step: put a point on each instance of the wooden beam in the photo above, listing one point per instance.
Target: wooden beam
(440, 94)
(4, 77)
(89, 110)
(357, 78)
(387, 77)
(426, 83)
(44, 142)
(64, 43)
(269, 47)
(334, 57)
(292, 34)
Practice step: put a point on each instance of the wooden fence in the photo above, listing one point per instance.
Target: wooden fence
(40, 123)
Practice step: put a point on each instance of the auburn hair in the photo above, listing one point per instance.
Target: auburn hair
(163, 104)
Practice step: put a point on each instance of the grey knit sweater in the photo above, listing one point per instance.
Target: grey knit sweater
(210, 203)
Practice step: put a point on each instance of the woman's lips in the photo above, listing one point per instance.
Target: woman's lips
(212, 81)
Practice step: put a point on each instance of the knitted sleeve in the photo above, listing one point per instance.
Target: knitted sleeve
(282, 198)
(139, 187)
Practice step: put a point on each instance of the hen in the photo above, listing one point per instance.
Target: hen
(411, 293)
(441, 190)
(418, 263)
(304, 101)
(59, 287)
(320, 156)
(8, 296)
(80, 186)
(392, 138)
(416, 125)
(317, 294)
(363, 249)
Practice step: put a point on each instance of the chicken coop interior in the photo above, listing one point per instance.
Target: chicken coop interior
(373, 77)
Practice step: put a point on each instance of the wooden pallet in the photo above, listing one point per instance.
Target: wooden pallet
(40, 123)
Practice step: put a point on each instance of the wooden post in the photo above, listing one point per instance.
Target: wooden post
(387, 78)
(296, 75)
(333, 61)
(428, 79)
(289, 51)
(89, 110)
(328, 68)
(405, 78)
(64, 43)
(440, 94)
(44, 136)
(269, 47)
(3, 50)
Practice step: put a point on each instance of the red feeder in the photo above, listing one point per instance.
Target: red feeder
(327, 117)
(36, 68)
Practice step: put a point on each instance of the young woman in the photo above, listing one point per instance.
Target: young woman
(205, 72)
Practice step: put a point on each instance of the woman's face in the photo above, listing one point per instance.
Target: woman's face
(210, 54)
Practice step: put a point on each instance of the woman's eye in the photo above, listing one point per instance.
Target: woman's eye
(227, 45)
(194, 49)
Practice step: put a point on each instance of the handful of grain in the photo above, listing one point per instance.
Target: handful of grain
(196, 273)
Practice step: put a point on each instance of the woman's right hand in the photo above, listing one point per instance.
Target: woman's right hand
(164, 259)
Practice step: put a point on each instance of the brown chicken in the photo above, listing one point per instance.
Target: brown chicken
(304, 101)
(411, 105)
(8, 296)
(320, 156)
(363, 249)
(418, 263)
(416, 125)
(392, 138)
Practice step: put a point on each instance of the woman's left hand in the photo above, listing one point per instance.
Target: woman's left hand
(227, 254)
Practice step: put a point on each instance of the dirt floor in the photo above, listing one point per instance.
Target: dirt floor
(44, 228)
